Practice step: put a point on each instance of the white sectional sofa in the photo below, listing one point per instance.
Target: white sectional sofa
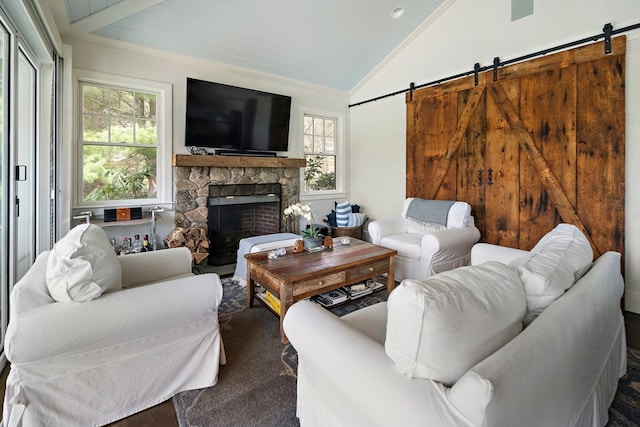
(451, 350)
(93, 338)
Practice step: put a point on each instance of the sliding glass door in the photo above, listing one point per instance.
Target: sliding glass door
(25, 165)
(25, 142)
(4, 185)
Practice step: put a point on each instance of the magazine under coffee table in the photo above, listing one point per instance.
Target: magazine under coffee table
(294, 277)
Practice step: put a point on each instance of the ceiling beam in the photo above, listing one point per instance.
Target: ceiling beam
(59, 15)
(108, 16)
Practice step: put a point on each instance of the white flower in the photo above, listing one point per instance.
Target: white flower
(297, 210)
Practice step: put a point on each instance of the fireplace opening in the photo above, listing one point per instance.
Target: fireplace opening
(237, 211)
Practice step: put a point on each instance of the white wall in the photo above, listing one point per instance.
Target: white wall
(126, 60)
(470, 31)
(377, 154)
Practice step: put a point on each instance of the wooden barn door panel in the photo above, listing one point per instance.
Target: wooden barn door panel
(415, 156)
(471, 160)
(449, 111)
(502, 162)
(542, 145)
(552, 186)
(601, 148)
(414, 137)
(548, 111)
(435, 121)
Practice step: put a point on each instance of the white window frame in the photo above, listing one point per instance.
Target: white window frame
(164, 104)
(341, 160)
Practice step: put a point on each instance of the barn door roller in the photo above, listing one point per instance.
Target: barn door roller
(607, 37)
(476, 70)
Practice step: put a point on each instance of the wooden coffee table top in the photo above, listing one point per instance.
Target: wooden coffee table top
(305, 265)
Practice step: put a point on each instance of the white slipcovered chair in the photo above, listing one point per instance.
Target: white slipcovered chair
(431, 236)
(93, 337)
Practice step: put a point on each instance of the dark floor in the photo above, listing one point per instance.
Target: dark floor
(632, 325)
(164, 414)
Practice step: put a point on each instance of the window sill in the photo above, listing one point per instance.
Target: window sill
(323, 196)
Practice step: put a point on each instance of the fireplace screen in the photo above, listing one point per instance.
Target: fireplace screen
(238, 211)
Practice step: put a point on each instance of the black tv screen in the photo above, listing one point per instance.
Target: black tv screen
(234, 118)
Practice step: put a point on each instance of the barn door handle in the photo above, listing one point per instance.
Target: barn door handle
(490, 177)
(480, 177)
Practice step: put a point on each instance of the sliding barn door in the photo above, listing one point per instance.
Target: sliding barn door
(542, 144)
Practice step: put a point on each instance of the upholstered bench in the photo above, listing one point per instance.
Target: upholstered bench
(257, 244)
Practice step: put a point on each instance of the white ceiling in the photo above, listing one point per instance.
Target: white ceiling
(332, 43)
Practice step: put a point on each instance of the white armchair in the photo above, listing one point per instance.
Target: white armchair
(431, 236)
(119, 352)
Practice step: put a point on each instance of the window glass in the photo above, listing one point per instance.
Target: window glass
(320, 153)
(119, 143)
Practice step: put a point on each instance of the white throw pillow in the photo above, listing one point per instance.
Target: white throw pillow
(459, 215)
(440, 327)
(356, 219)
(555, 263)
(83, 265)
(572, 243)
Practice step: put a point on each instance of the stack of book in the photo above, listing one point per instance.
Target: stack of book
(272, 300)
(377, 283)
(331, 298)
(357, 290)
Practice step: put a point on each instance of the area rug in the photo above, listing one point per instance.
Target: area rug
(257, 386)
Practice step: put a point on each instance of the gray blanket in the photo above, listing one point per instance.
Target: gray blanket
(246, 245)
(435, 211)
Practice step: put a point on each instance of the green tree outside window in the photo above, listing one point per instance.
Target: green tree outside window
(119, 143)
(320, 153)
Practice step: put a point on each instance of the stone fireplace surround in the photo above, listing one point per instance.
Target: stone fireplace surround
(192, 175)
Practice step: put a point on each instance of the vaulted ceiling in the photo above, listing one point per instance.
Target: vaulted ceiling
(332, 43)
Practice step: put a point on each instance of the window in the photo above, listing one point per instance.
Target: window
(320, 152)
(121, 144)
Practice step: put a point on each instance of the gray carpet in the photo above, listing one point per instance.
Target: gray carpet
(257, 386)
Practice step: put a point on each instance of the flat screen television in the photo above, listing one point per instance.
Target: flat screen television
(236, 120)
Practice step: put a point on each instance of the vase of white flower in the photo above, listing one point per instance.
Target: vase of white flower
(311, 236)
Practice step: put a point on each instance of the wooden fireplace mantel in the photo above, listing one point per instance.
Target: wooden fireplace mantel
(190, 160)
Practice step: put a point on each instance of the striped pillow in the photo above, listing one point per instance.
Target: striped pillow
(342, 214)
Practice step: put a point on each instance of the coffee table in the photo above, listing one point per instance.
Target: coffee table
(294, 277)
